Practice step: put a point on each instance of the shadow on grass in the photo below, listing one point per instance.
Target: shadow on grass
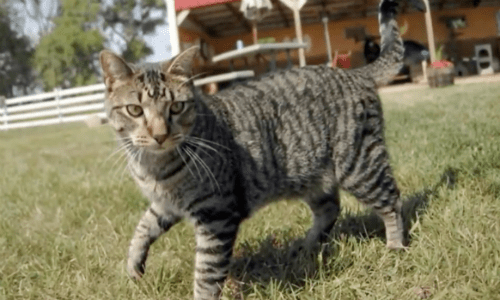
(279, 261)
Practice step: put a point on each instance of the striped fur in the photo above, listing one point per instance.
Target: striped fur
(214, 160)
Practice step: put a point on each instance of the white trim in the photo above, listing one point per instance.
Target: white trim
(430, 31)
(72, 91)
(51, 121)
(173, 31)
(30, 98)
(294, 4)
(257, 48)
(56, 112)
(53, 107)
(225, 77)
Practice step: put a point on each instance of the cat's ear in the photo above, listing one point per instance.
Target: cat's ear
(114, 67)
(182, 64)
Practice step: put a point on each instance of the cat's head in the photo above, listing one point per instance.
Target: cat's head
(151, 106)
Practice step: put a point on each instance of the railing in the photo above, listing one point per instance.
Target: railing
(59, 106)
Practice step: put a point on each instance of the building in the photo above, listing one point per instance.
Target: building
(217, 25)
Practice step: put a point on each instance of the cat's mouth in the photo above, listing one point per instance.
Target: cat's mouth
(163, 148)
(167, 146)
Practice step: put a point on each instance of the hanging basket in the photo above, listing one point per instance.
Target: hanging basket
(440, 74)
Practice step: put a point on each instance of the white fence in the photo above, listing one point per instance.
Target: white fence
(71, 105)
(59, 106)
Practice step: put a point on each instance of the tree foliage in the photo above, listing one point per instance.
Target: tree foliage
(67, 36)
(130, 20)
(36, 15)
(15, 55)
(67, 56)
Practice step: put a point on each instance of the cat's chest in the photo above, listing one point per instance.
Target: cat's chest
(171, 192)
(146, 182)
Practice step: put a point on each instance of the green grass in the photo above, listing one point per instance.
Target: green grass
(66, 216)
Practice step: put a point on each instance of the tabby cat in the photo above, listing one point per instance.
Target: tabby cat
(214, 160)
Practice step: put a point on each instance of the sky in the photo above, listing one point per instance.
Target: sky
(160, 43)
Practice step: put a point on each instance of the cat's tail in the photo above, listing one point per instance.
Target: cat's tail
(390, 61)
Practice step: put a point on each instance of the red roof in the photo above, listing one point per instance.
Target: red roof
(188, 4)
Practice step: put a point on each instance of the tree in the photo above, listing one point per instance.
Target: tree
(130, 20)
(37, 15)
(16, 74)
(68, 55)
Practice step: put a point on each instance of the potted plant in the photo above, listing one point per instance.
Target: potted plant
(440, 72)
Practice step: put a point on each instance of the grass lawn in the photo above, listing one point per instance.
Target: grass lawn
(67, 214)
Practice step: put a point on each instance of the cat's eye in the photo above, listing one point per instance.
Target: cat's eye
(177, 107)
(134, 110)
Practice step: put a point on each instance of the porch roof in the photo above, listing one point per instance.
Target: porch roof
(189, 4)
(220, 18)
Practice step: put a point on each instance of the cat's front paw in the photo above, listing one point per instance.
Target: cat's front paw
(396, 245)
(135, 269)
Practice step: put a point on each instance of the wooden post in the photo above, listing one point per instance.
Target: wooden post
(324, 19)
(58, 100)
(424, 70)
(3, 106)
(298, 32)
(295, 6)
(430, 31)
(254, 32)
(173, 31)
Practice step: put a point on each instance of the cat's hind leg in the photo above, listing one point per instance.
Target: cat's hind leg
(325, 209)
(153, 223)
(372, 183)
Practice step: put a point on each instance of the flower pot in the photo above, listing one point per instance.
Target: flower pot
(441, 76)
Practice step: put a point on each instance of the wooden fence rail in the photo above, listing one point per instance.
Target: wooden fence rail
(58, 106)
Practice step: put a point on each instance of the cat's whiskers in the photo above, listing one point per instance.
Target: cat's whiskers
(177, 137)
(136, 155)
(120, 138)
(116, 139)
(129, 153)
(179, 150)
(201, 149)
(202, 145)
(116, 151)
(194, 162)
(195, 159)
(123, 140)
(209, 142)
(121, 157)
(185, 162)
(133, 156)
(207, 169)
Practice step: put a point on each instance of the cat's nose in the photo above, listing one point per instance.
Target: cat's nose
(160, 138)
